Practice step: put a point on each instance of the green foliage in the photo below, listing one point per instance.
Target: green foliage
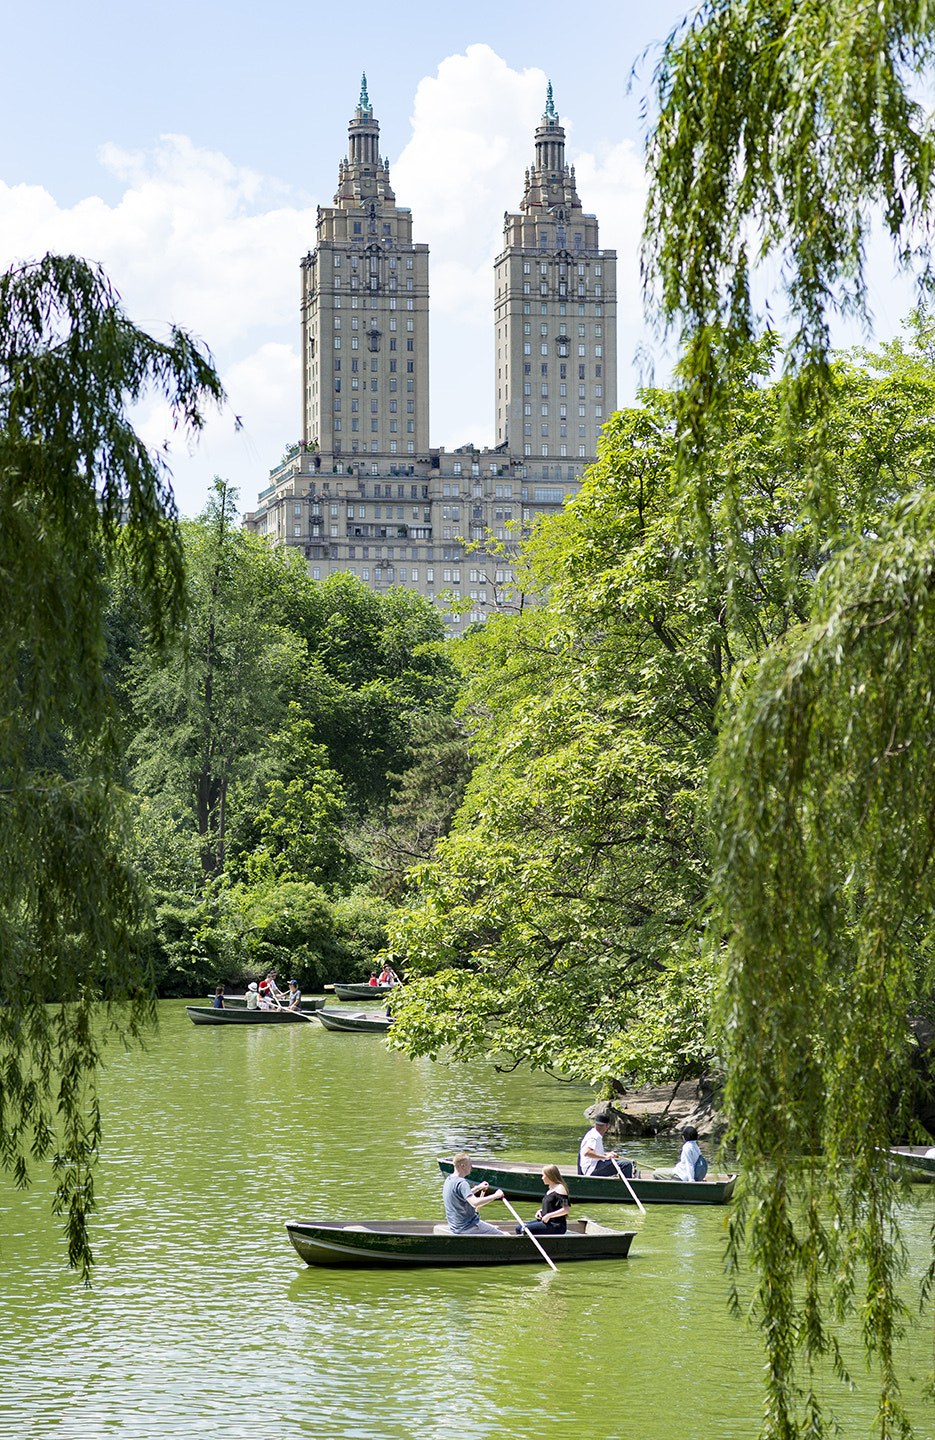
(79, 492)
(780, 124)
(286, 925)
(206, 706)
(825, 884)
(425, 800)
(297, 831)
(294, 927)
(570, 896)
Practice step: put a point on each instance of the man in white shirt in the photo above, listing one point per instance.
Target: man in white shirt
(593, 1159)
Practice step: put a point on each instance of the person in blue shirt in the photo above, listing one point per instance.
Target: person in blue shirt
(462, 1200)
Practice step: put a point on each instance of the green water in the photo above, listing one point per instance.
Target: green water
(203, 1322)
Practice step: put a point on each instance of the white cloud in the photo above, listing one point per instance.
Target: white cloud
(193, 240)
(198, 241)
(473, 137)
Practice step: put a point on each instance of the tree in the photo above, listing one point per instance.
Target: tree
(561, 921)
(79, 492)
(781, 127)
(208, 705)
(296, 834)
(425, 800)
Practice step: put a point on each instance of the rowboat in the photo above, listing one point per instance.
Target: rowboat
(914, 1161)
(362, 992)
(238, 1002)
(361, 1022)
(207, 1015)
(523, 1181)
(395, 1243)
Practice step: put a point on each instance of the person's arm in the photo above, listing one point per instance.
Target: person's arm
(589, 1154)
(477, 1200)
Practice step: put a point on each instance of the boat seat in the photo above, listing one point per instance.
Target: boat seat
(359, 1227)
(591, 1227)
(441, 1229)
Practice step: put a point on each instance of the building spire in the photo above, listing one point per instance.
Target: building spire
(364, 101)
(550, 111)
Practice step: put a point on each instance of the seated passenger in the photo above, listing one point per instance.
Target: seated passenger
(692, 1164)
(552, 1218)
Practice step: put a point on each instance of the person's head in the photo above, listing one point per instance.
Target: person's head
(292, 985)
(462, 1163)
(601, 1121)
(689, 1133)
(271, 975)
(551, 1175)
(219, 990)
(252, 985)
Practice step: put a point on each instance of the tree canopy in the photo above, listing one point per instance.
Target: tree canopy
(79, 492)
(561, 920)
(785, 127)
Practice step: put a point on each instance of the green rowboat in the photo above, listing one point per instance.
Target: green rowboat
(523, 1181)
(207, 1015)
(395, 1244)
(360, 1022)
(362, 992)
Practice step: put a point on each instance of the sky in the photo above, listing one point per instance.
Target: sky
(185, 146)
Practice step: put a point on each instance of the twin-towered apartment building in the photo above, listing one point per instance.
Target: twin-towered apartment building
(364, 491)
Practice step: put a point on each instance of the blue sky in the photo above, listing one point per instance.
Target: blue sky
(186, 146)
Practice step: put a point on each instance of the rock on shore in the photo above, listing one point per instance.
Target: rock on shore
(665, 1109)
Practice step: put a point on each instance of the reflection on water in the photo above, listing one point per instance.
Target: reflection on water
(204, 1323)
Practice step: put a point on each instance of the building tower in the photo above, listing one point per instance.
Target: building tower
(555, 325)
(365, 315)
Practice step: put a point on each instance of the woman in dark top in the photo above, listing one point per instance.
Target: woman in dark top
(552, 1218)
(218, 1001)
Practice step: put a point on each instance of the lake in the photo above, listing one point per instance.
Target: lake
(203, 1321)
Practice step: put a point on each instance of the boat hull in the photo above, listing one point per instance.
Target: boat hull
(363, 992)
(913, 1161)
(394, 1244)
(207, 1015)
(356, 1024)
(523, 1181)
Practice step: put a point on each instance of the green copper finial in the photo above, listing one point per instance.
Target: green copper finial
(550, 113)
(364, 101)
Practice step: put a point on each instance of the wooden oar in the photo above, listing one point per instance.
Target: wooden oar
(628, 1185)
(528, 1232)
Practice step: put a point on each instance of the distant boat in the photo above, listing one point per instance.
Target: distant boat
(238, 1002)
(394, 1244)
(362, 992)
(207, 1015)
(520, 1180)
(361, 1021)
(913, 1161)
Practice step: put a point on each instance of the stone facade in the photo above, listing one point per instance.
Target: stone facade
(364, 492)
(555, 317)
